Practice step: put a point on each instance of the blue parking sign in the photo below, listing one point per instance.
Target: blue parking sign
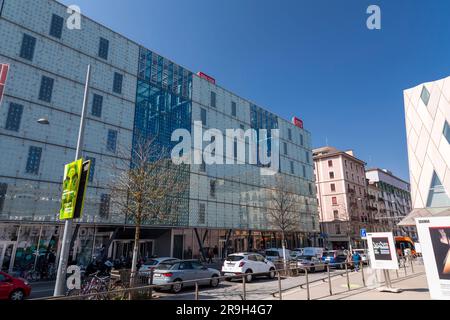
(363, 233)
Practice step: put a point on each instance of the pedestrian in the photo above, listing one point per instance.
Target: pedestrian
(210, 255)
(216, 251)
(356, 258)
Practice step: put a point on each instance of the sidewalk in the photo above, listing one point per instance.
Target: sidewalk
(414, 287)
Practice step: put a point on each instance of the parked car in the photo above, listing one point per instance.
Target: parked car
(330, 255)
(247, 263)
(339, 262)
(170, 275)
(312, 264)
(313, 251)
(277, 254)
(151, 264)
(297, 252)
(13, 288)
(363, 253)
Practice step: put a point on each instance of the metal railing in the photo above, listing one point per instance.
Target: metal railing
(144, 288)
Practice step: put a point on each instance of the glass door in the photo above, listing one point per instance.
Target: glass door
(6, 256)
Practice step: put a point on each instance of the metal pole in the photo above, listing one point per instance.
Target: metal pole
(329, 280)
(67, 237)
(196, 290)
(244, 291)
(348, 279)
(307, 284)
(387, 278)
(279, 286)
(404, 266)
(37, 249)
(362, 273)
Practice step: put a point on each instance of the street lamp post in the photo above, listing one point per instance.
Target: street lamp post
(67, 237)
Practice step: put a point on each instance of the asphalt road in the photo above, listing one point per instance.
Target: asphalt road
(259, 288)
(42, 289)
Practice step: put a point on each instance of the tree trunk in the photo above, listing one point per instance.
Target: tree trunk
(283, 245)
(134, 270)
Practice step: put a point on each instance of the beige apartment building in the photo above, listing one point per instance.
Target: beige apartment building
(342, 193)
(390, 201)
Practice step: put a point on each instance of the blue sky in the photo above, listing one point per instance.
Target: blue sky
(314, 59)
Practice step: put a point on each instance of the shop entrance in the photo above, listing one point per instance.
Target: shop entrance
(7, 254)
(124, 249)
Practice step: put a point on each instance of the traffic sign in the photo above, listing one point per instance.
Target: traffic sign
(363, 234)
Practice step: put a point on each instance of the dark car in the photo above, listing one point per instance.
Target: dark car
(339, 262)
(13, 288)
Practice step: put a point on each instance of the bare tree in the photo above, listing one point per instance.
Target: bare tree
(150, 191)
(283, 209)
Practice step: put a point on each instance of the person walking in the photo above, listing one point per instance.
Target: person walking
(210, 255)
(356, 258)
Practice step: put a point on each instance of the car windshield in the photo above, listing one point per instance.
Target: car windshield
(272, 253)
(235, 258)
(328, 254)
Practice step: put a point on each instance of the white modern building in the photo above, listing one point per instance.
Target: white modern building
(427, 110)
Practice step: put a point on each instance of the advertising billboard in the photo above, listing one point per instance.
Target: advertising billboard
(3, 76)
(434, 235)
(382, 251)
(74, 189)
(206, 77)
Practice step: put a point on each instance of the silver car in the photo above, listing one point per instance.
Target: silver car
(153, 263)
(170, 276)
(312, 264)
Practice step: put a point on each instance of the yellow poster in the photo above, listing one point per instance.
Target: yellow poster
(71, 185)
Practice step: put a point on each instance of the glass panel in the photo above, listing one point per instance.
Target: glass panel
(425, 95)
(447, 131)
(437, 197)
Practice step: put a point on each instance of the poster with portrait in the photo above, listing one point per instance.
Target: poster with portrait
(434, 235)
(382, 251)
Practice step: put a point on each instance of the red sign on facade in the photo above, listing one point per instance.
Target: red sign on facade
(3, 75)
(206, 77)
(297, 122)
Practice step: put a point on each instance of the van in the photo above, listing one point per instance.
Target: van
(313, 252)
(277, 254)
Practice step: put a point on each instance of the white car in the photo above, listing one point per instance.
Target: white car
(247, 263)
(146, 269)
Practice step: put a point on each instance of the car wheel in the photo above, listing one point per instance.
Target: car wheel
(248, 276)
(17, 295)
(214, 281)
(177, 286)
(271, 273)
(312, 269)
(228, 279)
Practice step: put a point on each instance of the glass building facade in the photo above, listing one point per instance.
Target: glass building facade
(134, 94)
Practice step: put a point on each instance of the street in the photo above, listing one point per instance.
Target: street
(42, 289)
(259, 288)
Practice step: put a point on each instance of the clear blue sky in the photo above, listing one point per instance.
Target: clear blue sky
(311, 58)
